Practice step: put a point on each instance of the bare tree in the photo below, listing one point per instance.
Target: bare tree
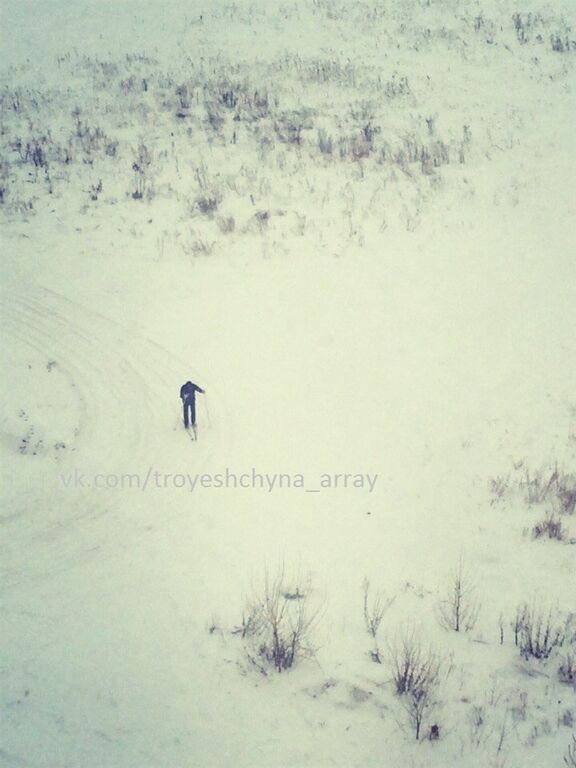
(374, 612)
(459, 610)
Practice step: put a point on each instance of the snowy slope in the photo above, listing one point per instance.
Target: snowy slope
(356, 233)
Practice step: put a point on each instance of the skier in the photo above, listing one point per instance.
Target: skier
(188, 397)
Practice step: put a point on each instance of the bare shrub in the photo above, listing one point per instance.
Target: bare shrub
(477, 720)
(416, 704)
(184, 100)
(570, 756)
(207, 205)
(325, 142)
(4, 181)
(34, 151)
(140, 167)
(415, 671)
(413, 666)
(226, 224)
(90, 140)
(566, 718)
(567, 669)
(397, 86)
(560, 43)
(518, 622)
(540, 632)
(499, 487)
(566, 493)
(538, 488)
(278, 624)
(459, 610)
(528, 26)
(374, 612)
(95, 190)
(551, 527)
(260, 220)
(210, 195)
(289, 125)
(355, 147)
(545, 486)
(198, 247)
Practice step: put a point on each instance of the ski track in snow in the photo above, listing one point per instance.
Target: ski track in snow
(125, 386)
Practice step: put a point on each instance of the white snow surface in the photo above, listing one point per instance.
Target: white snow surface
(401, 304)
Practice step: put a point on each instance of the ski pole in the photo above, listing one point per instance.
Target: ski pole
(207, 410)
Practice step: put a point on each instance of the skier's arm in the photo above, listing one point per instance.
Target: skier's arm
(199, 389)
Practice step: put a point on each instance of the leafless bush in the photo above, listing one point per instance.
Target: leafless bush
(527, 26)
(477, 720)
(249, 104)
(95, 190)
(4, 181)
(260, 220)
(289, 126)
(140, 167)
(485, 26)
(539, 486)
(551, 527)
(518, 622)
(374, 612)
(278, 624)
(397, 86)
(34, 151)
(551, 486)
(210, 194)
(413, 666)
(416, 704)
(325, 142)
(214, 117)
(90, 140)
(207, 205)
(570, 756)
(184, 100)
(226, 224)
(566, 493)
(459, 610)
(567, 669)
(560, 43)
(415, 671)
(355, 147)
(539, 632)
(489, 721)
(566, 718)
(199, 247)
(499, 487)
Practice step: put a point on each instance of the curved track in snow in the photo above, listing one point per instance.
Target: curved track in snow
(124, 413)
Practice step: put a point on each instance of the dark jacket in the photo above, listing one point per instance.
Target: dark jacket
(188, 391)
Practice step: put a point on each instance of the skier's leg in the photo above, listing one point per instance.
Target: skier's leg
(186, 415)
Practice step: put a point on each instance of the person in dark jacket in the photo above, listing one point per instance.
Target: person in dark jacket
(188, 397)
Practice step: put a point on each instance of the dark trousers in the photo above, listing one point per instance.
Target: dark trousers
(189, 412)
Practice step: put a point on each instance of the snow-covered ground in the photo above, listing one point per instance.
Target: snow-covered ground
(352, 224)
